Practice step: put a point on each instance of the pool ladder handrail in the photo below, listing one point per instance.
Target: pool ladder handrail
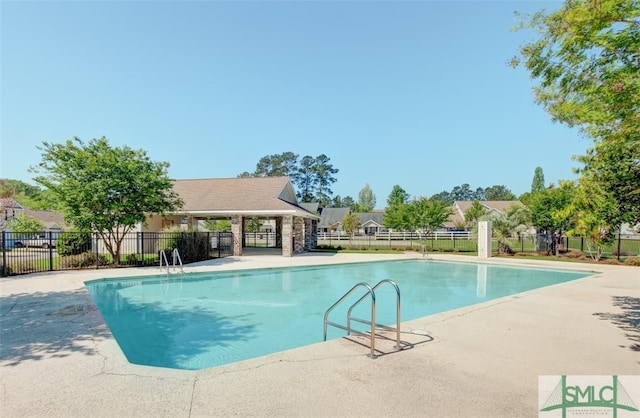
(175, 256)
(372, 294)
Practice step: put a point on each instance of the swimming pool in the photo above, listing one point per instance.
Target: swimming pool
(200, 320)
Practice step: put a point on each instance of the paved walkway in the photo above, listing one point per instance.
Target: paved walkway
(58, 358)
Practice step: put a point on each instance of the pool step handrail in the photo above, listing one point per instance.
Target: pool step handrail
(363, 321)
(175, 256)
(370, 293)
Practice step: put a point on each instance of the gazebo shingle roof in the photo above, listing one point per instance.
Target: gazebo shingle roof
(245, 195)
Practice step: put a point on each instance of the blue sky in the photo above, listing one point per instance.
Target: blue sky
(413, 93)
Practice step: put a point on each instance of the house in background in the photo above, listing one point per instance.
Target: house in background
(9, 208)
(52, 220)
(458, 221)
(269, 199)
(370, 222)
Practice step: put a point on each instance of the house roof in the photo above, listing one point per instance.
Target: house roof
(247, 196)
(460, 207)
(370, 219)
(332, 216)
(51, 219)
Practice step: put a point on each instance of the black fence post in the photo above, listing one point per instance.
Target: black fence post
(4, 254)
(142, 248)
(95, 239)
(619, 234)
(50, 238)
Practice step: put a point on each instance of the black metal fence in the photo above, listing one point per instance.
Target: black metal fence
(37, 252)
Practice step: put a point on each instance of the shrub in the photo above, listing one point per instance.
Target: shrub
(633, 261)
(73, 243)
(86, 259)
(574, 254)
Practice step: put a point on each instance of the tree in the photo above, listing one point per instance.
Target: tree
(444, 197)
(23, 224)
(336, 202)
(27, 195)
(105, 189)
(463, 192)
(312, 177)
(398, 196)
(349, 202)
(537, 185)
(325, 175)
(218, 225)
(253, 225)
(587, 67)
(590, 208)
(366, 199)
(498, 193)
(350, 223)
(547, 207)
(424, 216)
(475, 212)
(504, 225)
(285, 164)
(306, 179)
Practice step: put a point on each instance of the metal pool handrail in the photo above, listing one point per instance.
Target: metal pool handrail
(175, 255)
(348, 329)
(397, 289)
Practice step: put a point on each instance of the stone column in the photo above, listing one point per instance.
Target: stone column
(236, 229)
(484, 239)
(287, 235)
(298, 235)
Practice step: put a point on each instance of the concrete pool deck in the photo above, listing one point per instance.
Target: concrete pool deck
(59, 359)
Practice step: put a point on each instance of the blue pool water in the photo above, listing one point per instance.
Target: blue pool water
(199, 320)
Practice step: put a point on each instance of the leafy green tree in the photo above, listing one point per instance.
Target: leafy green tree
(424, 216)
(537, 185)
(462, 192)
(312, 177)
(590, 208)
(218, 225)
(398, 196)
(105, 189)
(548, 207)
(587, 67)
(73, 243)
(498, 193)
(285, 164)
(23, 224)
(505, 225)
(325, 175)
(336, 202)
(444, 197)
(27, 195)
(475, 212)
(366, 199)
(253, 225)
(306, 179)
(350, 223)
(349, 202)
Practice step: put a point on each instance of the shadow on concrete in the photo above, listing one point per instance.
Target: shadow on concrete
(43, 325)
(628, 320)
(385, 342)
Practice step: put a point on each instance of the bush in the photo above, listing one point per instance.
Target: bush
(73, 243)
(633, 261)
(574, 254)
(84, 260)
